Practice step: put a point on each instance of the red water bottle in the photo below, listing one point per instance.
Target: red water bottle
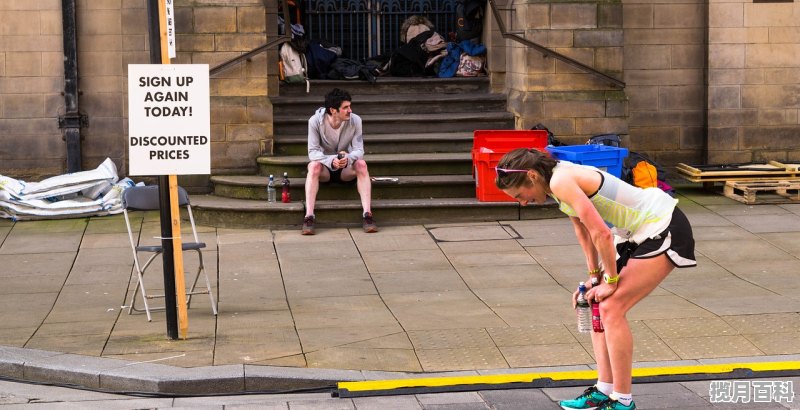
(597, 324)
(286, 196)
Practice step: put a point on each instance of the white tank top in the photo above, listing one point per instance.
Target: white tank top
(637, 214)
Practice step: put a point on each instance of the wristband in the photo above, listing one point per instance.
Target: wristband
(595, 271)
(609, 279)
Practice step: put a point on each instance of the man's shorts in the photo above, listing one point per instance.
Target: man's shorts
(336, 178)
(676, 242)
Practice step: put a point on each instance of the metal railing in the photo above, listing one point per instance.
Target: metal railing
(546, 52)
(287, 35)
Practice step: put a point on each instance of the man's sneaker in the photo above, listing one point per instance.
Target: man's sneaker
(308, 225)
(369, 223)
(590, 399)
(612, 404)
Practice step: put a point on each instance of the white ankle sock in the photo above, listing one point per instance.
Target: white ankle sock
(605, 388)
(625, 399)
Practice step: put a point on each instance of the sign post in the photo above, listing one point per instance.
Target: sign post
(169, 134)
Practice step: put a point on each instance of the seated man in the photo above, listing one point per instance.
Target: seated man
(336, 152)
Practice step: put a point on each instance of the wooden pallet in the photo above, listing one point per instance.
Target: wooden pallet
(773, 191)
(739, 172)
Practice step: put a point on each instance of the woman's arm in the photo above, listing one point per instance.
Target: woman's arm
(585, 240)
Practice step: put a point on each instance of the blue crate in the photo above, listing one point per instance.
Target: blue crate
(605, 157)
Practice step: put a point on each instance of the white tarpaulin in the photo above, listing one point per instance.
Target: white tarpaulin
(85, 193)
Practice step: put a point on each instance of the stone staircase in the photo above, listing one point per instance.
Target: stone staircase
(418, 132)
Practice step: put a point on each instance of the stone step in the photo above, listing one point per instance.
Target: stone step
(411, 123)
(408, 187)
(392, 85)
(396, 104)
(388, 143)
(380, 165)
(230, 212)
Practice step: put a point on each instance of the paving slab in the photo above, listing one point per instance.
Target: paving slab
(355, 336)
(431, 281)
(504, 276)
(405, 261)
(458, 247)
(441, 310)
(768, 223)
(471, 233)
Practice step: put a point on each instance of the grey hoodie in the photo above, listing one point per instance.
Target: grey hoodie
(323, 150)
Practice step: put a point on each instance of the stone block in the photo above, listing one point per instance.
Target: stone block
(598, 38)
(687, 97)
(100, 42)
(647, 57)
(53, 104)
(245, 132)
(564, 82)
(23, 105)
(777, 117)
(35, 126)
(70, 369)
(551, 38)
(214, 20)
(573, 15)
(218, 132)
(149, 377)
(670, 158)
(723, 137)
(99, 22)
(664, 77)
(654, 138)
(724, 97)
(726, 56)
(20, 23)
(30, 43)
(688, 56)
(729, 157)
(229, 154)
(616, 109)
(102, 104)
(582, 55)
(725, 14)
(260, 378)
(692, 138)
(100, 63)
(238, 42)
(251, 20)
(609, 59)
(665, 36)
(666, 118)
(594, 126)
(134, 43)
(194, 42)
(24, 64)
(637, 16)
(769, 155)
(134, 21)
(726, 76)
(784, 34)
(609, 15)
(574, 109)
(771, 96)
(782, 75)
(770, 15)
(642, 98)
(50, 22)
(228, 114)
(732, 117)
(31, 85)
(773, 55)
(679, 15)
(184, 20)
(536, 16)
(770, 137)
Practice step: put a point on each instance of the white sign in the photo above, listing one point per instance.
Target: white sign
(170, 13)
(169, 121)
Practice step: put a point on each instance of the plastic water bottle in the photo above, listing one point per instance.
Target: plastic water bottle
(286, 196)
(583, 310)
(271, 189)
(597, 324)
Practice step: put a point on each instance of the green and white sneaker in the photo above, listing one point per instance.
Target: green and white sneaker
(589, 400)
(612, 404)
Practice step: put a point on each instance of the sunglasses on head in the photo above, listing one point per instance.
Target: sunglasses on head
(502, 172)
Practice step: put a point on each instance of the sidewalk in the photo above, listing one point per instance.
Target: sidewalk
(484, 297)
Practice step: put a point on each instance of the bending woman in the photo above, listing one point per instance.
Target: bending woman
(652, 237)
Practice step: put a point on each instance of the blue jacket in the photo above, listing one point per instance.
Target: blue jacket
(449, 64)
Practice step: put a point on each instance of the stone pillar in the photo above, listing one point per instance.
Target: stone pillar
(573, 104)
(665, 74)
(754, 72)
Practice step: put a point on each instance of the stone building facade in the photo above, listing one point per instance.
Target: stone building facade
(706, 81)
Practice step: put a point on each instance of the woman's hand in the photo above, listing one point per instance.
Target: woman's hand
(600, 293)
(575, 294)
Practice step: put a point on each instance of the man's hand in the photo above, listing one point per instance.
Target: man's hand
(340, 162)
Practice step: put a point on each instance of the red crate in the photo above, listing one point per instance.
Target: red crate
(497, 143)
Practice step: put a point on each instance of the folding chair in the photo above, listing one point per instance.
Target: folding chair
(145, 198)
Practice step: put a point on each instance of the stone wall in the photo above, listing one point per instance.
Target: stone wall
(112, 35)
(665, 76)
(754, 82)
(572, 103)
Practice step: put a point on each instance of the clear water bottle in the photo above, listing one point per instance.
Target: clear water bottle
(271, 189)
(583, 310)
(597, 324)
(286, 196)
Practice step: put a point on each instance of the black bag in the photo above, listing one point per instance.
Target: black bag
(551, 139)
(469, 23)
(612, 140)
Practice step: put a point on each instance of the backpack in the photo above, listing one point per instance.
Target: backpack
(551, 139)
(612, 140)
(469, 23)
(639, 170)
(292, 67)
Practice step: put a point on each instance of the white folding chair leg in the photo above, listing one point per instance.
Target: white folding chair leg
(140, 286)
(208, 290)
